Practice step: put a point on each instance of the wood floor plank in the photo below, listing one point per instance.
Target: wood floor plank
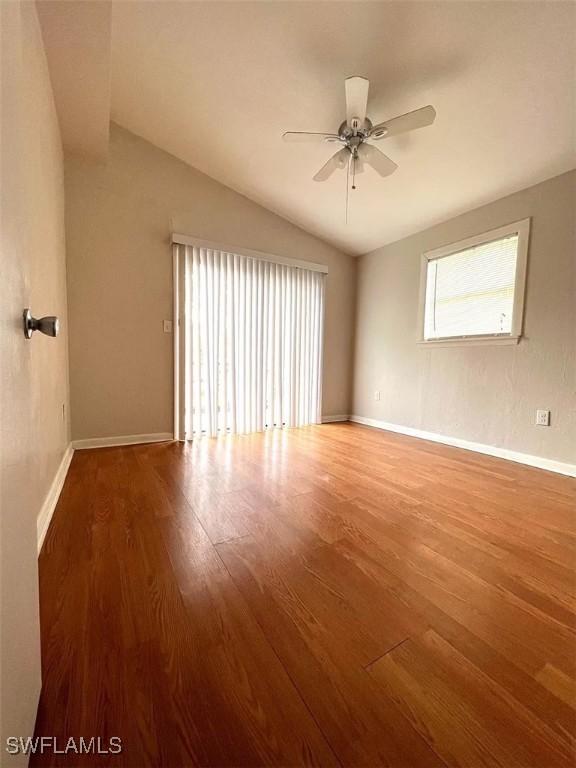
(325, 667)
(167, 629)
(468, 718)
(495, 614)
(332, 595)
(560, 684)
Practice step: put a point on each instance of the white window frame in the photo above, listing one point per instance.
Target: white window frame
(522, 229)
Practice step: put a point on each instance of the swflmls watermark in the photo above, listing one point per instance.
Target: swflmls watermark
(89, 745)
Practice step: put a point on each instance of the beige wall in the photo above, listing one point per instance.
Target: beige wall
(119, 216)
(34, 386)
(485, 394)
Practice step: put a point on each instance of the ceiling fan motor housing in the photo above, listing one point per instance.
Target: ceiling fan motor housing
(356, 128)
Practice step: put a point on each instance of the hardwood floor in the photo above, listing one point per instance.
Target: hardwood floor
(333, 595)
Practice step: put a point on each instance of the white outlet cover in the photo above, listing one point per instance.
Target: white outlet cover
(167, 324)
(542, 418)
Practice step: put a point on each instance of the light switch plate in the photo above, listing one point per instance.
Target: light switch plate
(167, 326)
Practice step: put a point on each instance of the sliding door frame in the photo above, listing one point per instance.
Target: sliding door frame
(179, 328)
(179, 302)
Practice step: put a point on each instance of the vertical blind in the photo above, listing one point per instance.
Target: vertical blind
(471, 292)
(253, 343)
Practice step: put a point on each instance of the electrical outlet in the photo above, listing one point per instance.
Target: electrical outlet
(167, 325)
(377, 395)
(543, 418)
(64, 412)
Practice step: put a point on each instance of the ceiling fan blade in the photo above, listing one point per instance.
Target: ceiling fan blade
(420, 118)
(305, 136)
(339, 160)
(356, 99)
(378, 160)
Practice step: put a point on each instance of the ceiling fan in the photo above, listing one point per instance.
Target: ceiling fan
(357, 130)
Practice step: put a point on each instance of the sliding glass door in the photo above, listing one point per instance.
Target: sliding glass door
(252, 343)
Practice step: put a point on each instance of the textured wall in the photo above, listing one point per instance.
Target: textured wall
(118, 221)
(34, 378)
(486, 394)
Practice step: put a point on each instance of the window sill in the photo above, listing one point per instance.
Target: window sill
(471, 341)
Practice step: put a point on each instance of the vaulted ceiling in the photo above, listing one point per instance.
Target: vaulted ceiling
(77, 39)
(217, 83)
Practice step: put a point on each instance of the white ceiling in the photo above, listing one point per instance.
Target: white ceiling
(216, 84)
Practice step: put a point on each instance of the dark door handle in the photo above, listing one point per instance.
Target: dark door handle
(49, 325)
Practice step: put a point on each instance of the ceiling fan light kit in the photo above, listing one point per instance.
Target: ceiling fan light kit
(357, 129)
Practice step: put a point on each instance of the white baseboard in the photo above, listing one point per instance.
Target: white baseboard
(540, 462)
(109, 442)
(335, 417)
(45, 516)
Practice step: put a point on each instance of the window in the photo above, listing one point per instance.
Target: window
(473, 290)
